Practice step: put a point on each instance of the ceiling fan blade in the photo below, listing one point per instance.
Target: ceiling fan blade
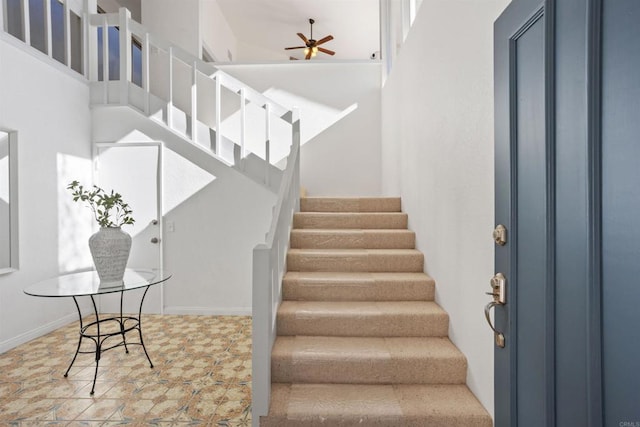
(304, 39)
(327, 51)
(324, 40)
(296, 47)
(308, 54)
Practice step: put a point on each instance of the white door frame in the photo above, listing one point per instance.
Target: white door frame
(159, 192)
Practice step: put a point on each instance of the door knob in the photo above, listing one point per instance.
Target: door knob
(498, 286)
(155, 240)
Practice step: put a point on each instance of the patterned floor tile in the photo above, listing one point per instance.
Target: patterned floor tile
(201, 376)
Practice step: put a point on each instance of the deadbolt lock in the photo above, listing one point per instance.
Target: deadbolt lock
(500, 235)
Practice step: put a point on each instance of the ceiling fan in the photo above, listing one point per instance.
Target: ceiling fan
(311, 46)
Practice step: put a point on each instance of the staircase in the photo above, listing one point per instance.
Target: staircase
(360, 340)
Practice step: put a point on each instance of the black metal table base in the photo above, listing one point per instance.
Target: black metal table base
(126, 324)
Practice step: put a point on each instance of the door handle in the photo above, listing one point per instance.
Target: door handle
(155, 240)
(499, 287)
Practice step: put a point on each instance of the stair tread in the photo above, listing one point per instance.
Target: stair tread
(344, 276)
(364, 260)
(357, 286)
(351, 214)
(374, 405)
(353, 238)
(336, 348)
(350, 220)
(360, 308)
(351, 230)
(362, 318)
(350, 204)
(349, 252)
(367, 360)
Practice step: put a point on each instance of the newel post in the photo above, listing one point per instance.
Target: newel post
(125, 54)
(262, 332)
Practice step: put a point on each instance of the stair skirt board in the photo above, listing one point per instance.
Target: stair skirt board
(360, 339)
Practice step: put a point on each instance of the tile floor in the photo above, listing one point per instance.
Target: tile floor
(201, 376)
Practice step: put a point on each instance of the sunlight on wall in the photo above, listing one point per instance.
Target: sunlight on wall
(75, 221)
(182, 179)
(315, 117)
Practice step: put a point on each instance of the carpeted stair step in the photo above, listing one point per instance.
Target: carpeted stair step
(342, 220)
(351, 405)
(350, 204)
(357, 360)
(360, 286)
(358, 260)
(352, 239)
(365, 319)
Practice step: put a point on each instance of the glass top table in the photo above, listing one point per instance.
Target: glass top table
(88, 284)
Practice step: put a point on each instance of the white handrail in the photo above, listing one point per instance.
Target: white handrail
(269, 266)
(230, 82)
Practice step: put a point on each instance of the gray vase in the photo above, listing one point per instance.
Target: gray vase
(110, 249)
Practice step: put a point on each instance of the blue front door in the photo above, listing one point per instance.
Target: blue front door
(567, 96)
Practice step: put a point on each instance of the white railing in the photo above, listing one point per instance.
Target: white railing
(269, 267)
(206, 97)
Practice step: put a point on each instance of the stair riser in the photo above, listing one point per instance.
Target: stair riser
(371, 371)
(353, 239)
(393, 420)
(358, 291)
(324, 405)
(350, 204)
(361, 262)
(333, 221)
(406, 325)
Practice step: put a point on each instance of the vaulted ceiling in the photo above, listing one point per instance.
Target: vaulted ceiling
(272, 25)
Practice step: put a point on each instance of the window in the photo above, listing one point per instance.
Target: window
(14, 18)
(57, 30)
(37, 30)
(75, 28)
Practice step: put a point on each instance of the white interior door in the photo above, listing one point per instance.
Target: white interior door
(135, 171)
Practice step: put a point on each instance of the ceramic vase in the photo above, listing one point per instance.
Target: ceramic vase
(110, 248)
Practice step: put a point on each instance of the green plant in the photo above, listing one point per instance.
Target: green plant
(108, 209)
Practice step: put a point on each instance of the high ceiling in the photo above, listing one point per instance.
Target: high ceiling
(272, 25)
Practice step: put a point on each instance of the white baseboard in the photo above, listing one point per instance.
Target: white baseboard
(37, 332)
(209, 311)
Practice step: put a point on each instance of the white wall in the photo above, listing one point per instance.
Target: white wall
(210, 253)
(217, 215)
(252, 53)
(345, 159)
(215, 32)
(175, 21)
(437, 153)
(48, 106)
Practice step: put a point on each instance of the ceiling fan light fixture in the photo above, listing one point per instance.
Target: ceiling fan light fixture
(311, 47)
(313, 50)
